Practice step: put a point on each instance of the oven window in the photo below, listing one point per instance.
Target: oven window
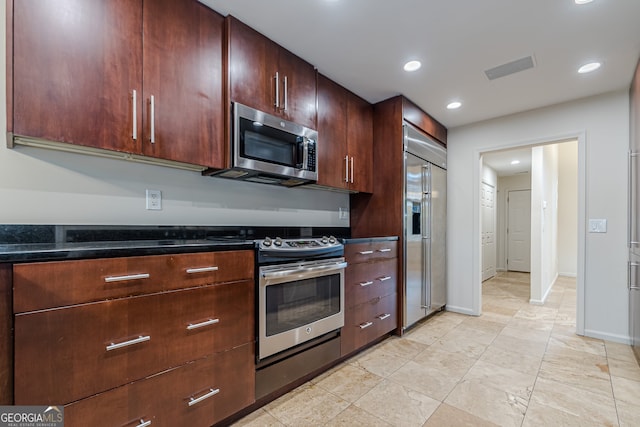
(267, 144)
(294, 304)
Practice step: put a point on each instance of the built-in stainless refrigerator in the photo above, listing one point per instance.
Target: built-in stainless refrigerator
(425, 210)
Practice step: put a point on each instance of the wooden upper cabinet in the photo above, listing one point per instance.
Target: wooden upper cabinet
(84, 72)
(183, 73)
(269, 78)
(75, 65)
(345, 138)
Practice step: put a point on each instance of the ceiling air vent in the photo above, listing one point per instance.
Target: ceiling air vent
(510, 68)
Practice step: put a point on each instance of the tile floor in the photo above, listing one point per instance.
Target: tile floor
(516, 365)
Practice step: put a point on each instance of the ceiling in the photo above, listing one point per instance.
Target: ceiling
(500, 161)
(363, 45)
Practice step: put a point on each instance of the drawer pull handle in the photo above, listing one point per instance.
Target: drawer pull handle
(384, 250)
(384, 279)
(384, 316)
(212, 392)
(110, 279)
(365, 252)
(365, 325)
(144, 423)
(201, 269)
(128, 343)
(202, 324)
(363, 284)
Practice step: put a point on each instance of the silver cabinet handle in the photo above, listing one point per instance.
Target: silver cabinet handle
(211, 393)
(277, 78)
(365, 252)
(365, 325)
(201, 269)
(384, 279)
(352, 169)
(346, 168)
(285, 93)
(630, 265)
(138, 340)
(153, 119)
(134, 134)
(144, 423)
(384, 250)
(110, 279)
(363, 284)
(193, 326)
(384, 316)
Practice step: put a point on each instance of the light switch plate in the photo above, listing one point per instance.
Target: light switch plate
(597, 226)
(154, 200)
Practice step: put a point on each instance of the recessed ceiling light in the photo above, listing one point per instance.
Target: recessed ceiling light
(583, 1)
(412, 66)
(515, 162)
(587, 68)
(454, 105)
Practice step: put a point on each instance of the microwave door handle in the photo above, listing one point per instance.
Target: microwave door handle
(305, 154)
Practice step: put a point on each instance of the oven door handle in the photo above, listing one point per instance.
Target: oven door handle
(303, 270)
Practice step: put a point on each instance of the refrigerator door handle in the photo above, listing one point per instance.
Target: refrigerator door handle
(631, 285)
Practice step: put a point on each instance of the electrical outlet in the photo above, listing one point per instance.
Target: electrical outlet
(343, 213)
(597, 226)
(154, 200)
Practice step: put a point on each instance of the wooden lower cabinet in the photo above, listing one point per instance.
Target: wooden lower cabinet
(370, 293)
(199, 393)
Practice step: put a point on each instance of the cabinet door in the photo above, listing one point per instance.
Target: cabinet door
(332, 150)
(75, 65)
(299, 89)
(360, 143)
(252, 66)
(183, 74)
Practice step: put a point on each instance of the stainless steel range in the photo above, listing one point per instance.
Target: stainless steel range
(300, 307)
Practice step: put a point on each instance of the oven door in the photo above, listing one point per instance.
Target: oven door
(298, 302)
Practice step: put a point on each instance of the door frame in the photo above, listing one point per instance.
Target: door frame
(476, 273)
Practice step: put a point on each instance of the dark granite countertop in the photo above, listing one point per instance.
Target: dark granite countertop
(368, 239)
(66, 251)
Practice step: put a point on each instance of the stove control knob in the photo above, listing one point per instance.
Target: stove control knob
(267, 242)
(324, 240)
(278, 241)
(332, 240)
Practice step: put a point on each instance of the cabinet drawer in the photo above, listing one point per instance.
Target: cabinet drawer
(364, 252)
(164, 399)
(369, 280)
(368, 321)
(62, 355)
(44, 285)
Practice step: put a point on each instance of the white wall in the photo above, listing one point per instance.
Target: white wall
(567, 208)
(505, 184)
(544, 221)
(601, 125)
(46, 187)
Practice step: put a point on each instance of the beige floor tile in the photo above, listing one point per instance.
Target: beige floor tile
(628, 370)
(626, 390)
(402, 347)
(524, 363)
(619, 351)
(540, 415)
(398, 405)
(588, 345)
(356, 417)
(462, 345)
(259, 418)
(518, 331)
(508, 380)
(307, 405)
(379, 362)
(496, 317)
(488, 403)
(453, 364)
(536, 312)
(520, 345)
(426, 380)
(575, 401)
(531, 325)
(448, 416)
(483, 325)
(580, 377)
(628, 414)
(349, 382)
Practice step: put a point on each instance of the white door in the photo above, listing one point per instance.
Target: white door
(488, 212)
(519, 230)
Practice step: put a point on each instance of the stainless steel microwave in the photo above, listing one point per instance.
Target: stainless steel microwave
(270, 150)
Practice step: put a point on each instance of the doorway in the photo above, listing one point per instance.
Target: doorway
(488, 207)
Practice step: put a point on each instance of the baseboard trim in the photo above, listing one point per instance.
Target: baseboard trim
(622, 339)
(568, 274)
(461, 310)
